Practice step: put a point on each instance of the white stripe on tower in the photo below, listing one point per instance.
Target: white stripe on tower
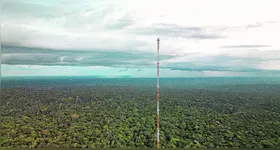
(158, 97)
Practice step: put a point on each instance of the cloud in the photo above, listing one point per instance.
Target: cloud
(258, 61)
(245, 46)
(123, 70)
(37, 56)
(271, 64)
(263, 61)
(172, 30)
(109, 72)
(27, 8)
(120, 23)
(258, 24)
(79, 58)
(62, 58)
(123, 34)
(123, 25)
(221, 68)
(124, 76)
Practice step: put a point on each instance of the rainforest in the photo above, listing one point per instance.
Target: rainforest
(101, 113)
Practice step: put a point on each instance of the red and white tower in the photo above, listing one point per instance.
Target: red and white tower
(158, 96)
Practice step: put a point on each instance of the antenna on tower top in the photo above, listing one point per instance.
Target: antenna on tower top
(158, 97)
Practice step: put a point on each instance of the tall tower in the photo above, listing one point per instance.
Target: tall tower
(158, 97)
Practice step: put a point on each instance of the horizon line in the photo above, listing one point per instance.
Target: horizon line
(155, 77)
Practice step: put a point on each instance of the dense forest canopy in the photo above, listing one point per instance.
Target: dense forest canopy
(124, 116)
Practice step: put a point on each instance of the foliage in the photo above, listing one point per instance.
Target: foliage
(120, 116)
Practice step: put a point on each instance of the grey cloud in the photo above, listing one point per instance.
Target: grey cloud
(257, 24)
(20, 35)
(120, 23)
(21, 58)
(179, 31)
(15, 49)
(192, 32)
(18, 8)
(244, 27)
(127, 76)
(75, 18)
(123, 70)
(222, 62)
(271, 22)
(99, 15)
(11, 35)
(245, 46)
(206, 36)
(36, 56)
(248, 59)
(221, 68)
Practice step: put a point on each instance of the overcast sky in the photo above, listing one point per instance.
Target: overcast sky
(114, 38)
